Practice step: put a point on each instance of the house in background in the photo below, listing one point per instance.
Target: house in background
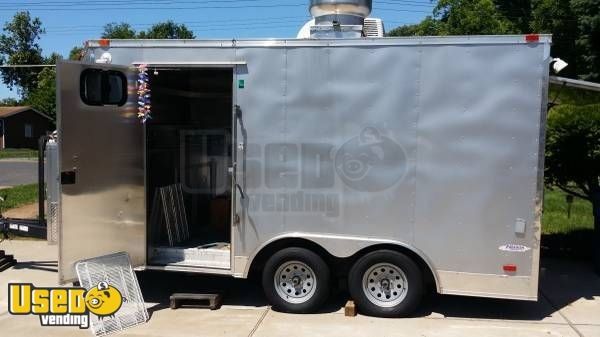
(22, 126)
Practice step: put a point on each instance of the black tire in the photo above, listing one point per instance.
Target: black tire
(413, 292)
(319, 291)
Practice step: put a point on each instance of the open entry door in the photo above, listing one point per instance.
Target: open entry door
(101, 162)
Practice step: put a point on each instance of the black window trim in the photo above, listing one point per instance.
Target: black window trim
(104, 87)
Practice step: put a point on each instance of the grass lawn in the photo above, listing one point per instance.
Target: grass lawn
(555, 219)
(18, 153)
(566, 95)
(18, 196)
(564, 236)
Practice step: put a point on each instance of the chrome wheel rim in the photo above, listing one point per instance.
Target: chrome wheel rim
(295, 282)
(385, 284)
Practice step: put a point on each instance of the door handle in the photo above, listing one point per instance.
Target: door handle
(241, 190)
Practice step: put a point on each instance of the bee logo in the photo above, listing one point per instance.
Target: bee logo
(103, 300)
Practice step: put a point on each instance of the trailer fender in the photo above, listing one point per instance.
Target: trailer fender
(339, 246)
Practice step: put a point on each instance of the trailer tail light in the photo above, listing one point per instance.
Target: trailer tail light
(531, 38)
(509, 268)
(104, 42)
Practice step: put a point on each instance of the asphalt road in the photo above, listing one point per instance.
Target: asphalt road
(17, 172)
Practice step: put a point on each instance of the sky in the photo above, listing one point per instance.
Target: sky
(70, 23)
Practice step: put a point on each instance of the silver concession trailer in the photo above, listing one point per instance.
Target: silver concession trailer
(394, 164)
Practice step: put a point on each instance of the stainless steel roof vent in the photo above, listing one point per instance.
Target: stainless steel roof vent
(340, 12)
(341, 19)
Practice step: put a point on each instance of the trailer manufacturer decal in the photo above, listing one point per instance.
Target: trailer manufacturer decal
(64, 306)
(514, 248)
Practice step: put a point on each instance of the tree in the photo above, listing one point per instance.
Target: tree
(516, 11)
(461, 17)
(573, 157)
(118, 31)
(9, 101)
(43, 98)
(588, 41)
(18, 46)
(76, 53)
(556, 17)
(52, 59)
(574, 25)
(428, 27)
(470, 17)
(167, 30)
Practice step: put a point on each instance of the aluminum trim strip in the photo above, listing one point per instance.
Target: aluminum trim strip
(199, 270)
(385, 41)
(191, 64)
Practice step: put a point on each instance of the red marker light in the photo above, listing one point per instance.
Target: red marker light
(530, 38)
(104, 42)
(509, 268)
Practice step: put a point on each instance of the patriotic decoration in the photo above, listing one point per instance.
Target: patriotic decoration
(143, 92)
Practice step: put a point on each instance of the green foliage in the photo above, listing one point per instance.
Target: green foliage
(573, 149)
(588, 39)
(10, 102)
(564, 236)
(428, 27)
(43, 98)
(161, 30)
(18, 196)
(19, 45)
(469, 17)
(118, 31)
(555, 217)
(167, 30)
(460, 17)
(53, 58)
(574, 25)
(76, 53)
(565, 95)
(556, 17)
(516, 11)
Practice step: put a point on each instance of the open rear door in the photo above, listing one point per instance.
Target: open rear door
(101, 162)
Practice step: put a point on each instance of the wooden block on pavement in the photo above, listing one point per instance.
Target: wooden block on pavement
(350, 309)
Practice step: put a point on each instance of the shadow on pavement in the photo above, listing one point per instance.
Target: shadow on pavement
(564, 281)
(576, 244)
(158, 286)
(561, 282)
(50, 266)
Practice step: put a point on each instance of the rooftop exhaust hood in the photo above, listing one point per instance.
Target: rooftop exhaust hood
(341, 19)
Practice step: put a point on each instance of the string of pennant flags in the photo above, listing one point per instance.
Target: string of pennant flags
(144, 95)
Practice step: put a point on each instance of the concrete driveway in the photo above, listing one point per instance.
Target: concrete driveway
(15, 172)
(569, 305)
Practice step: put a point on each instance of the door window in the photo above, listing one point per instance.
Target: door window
(103, 87)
